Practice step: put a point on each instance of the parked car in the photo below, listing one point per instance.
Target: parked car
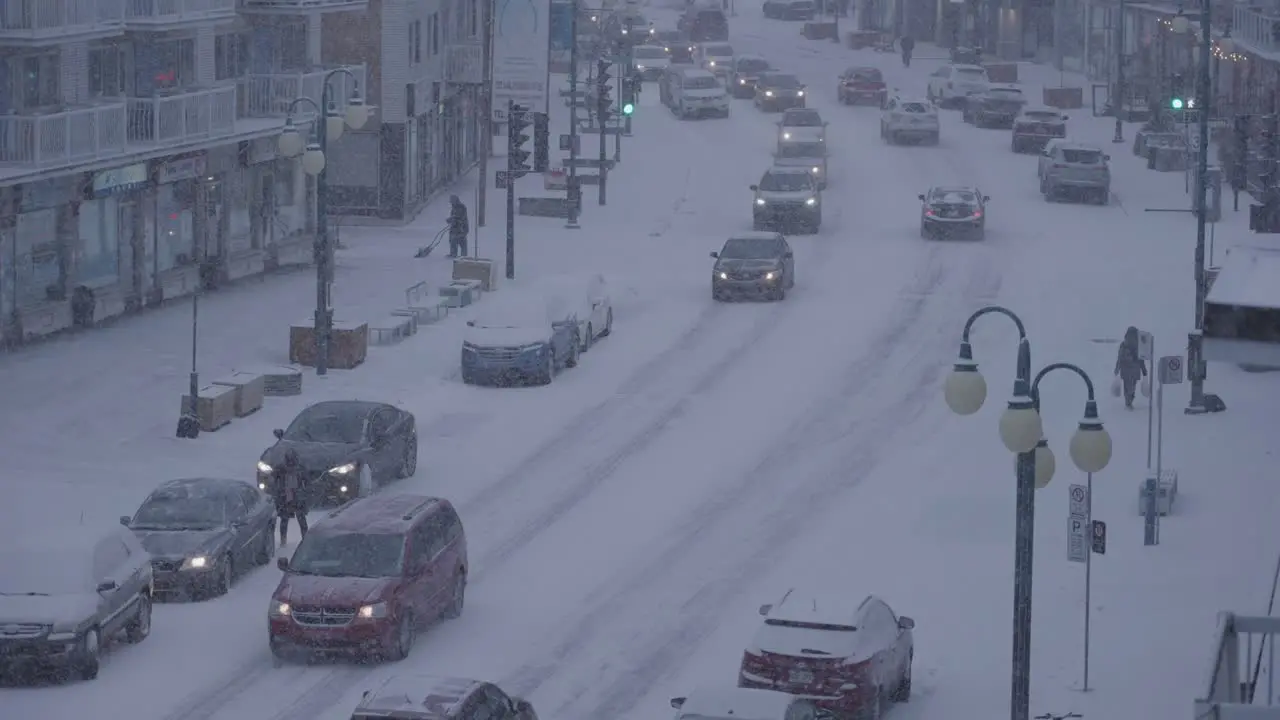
(651, 61)
(1035, 127)
(802, 125)
(776, 91)
(947, 212)
(704, 24)
(951, 85)
(758, 264)
(368, 576)
(203, 533)
(61, 605)
(716, 57)
(730, 703)
(811, 156)
(861, 84)
(746, 69)
(853, 656)
(997, 106)
(906, 119)
(520, 337)
(347, 449)
(787, 198)
(587, 296)
(431, 697)
(694, 93)
(790, 9)
(1074, 169)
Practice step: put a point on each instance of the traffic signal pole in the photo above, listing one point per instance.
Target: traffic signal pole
(603, 115)
(573, 191)
(617, 137)
(511, 190)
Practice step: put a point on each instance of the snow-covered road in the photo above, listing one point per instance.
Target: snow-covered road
(625, 522)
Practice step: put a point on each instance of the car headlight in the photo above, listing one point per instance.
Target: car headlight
(799, 93)
(817, 170)
(376, 610)
(771, 275)
(786, 136)
(346, 469)
(263, 467)
(768, 93)
(711, 63)
(199, 562)
(811, 201)
(742, 81)
(723, 275)
(66, 637)
(280, 609)
(262, 486)
(640, 67)
(759, 201)
(535, 347)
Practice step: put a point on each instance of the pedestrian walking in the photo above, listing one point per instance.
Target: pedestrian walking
(458, 227)
(1130, 367)
(289, 490)
(908, 45)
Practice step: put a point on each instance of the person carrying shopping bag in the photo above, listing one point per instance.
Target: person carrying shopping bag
(1130, 367)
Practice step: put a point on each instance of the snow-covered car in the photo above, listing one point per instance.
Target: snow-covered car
(757, 264)
(1068, 168)
(802, 125)
(1035, 127)
(61, 604)
(520, 336)
(776, 91)
(861, 84)
(810, 156)
(716, 57)
(997, 106)
(203, 533)
(790, 9)
(853, 656)
(786, 198)
(731, 703)
(693, 93)
(432, 697)
(908, 119)
(951, 85)
(651, 61)
(947, 212)
(743, 75)
(587, 297)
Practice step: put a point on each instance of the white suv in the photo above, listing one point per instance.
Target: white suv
(908, 119)
(716, 57)
(698, 93)
(951, 85)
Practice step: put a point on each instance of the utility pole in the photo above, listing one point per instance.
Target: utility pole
(486, 122)
(603, 101)
(517, 121)
(1117, 104)
(1195, 340)
(573, 190)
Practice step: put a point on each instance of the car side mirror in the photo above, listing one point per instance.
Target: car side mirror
(278, 433)
(715, 255)
(764, 609)
(1106, 157)
(986, 198)
(238, 524)
(124, 520)
(906, 623)
(1066, 118)
(678, 702)
(921, 197)
(788, 255)
(107, 586)
(754, 188)
(471, 323)
(283, 563)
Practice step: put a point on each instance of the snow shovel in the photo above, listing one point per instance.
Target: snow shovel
(423, 252)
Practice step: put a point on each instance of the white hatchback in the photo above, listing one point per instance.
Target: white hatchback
(907, 119)
(716, 57)
(736, 703)
(951, 85)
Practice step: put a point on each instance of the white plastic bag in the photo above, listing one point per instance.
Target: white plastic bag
(1115, 386)
(1146, 386)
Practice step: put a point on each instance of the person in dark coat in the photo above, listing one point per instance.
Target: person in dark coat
(458, 227)
(1130, 367)
(289, 485)
(908, 45)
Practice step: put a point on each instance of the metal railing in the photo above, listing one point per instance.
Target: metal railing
(270, 95)
(55, 18)
(171, 11)
(276, 5)
(75, 134)
(183, 116)
(1241, 683)
(1257, 27)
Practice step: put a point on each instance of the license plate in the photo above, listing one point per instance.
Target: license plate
(803, 677)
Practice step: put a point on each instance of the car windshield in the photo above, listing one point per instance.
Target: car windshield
(1082, 157)
(1006, 93)
(865, 74)
(830, 627)
(44, 572)
(955, 197)
(181, 509)
(349, 555)
(801, 150)
(512, 312)
(970, 74)
(784, 182)
(701, 83)
(1043, 116)
(327, 424)
(749, 65)
(751, 249)
(915, 107)
(650, 53)
(718, 50)
(802, 118)
(782, 82)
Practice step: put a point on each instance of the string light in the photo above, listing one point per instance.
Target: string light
(1218, 54)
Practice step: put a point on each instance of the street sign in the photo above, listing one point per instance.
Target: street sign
(1169, 370)
(1193, 143)
(1077, 539)
(1079, 495)
(568, 141)
(500, 178)
(1146, 346)
(555, 180)
(1099, 537)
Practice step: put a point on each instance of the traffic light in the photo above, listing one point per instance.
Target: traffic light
(629, 96)
(541, 142)
(517, 156)
(604, 90)
(1177, 99)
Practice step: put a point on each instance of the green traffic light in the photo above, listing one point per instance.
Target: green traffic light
(628, 108)
(1176, 103)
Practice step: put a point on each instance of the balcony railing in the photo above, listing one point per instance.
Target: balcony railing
(1257, 27)
(292, 7)
(168, 13)
(183, 116)
(270, 95)
(58, 19)
(1240, 685)
(76, 134)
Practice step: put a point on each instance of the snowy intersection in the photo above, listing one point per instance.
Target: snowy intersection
(626, 521)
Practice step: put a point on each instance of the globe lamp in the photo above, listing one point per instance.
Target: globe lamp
(290, 143)
(334, 124)
(965, 390)
(1020, 426)
(1046, 465)
(1091, 444)
(313, 160)
(357, 113)
(1180, 23)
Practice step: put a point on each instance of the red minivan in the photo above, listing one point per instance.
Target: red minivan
(368, 576)
(851, 657)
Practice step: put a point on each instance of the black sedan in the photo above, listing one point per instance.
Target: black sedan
(743, 74)
(953, 212)
(997, 107)
(1035, 127)
(790, 9)
(202, 533)
(758, 264)
(779, 91)
(347, 448)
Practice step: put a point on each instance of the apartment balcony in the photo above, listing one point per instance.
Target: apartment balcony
(1257, 27)
(40, 22)
(300, 7)
(182, 117)
(160, 15)
(79, 134)
(271, 95)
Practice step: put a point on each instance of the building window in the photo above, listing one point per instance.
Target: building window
(164, 64)
(106, 71)
(435, 34)
(474, 15)
(230, 56)
(175, 226)
(37, 270)
(415, 42)
(37, 81)
(98, 263)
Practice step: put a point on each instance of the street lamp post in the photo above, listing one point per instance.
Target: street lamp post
(1117, 106)
(291, 145)
(1022, 432)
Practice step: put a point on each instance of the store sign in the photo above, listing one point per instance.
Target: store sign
(261, 150)
(182, 169)
(120, 180)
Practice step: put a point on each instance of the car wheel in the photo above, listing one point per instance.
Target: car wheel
(924, 232)
(267, 548)
(409, 462)
(1104, 197)
(226, 574)
(590, 338)
(904, 689)
(608, 323)
(572, 360)
(405, 632)
(140, 626)
(870, 710)
(454, 610)
(549, 369)
(86, 666)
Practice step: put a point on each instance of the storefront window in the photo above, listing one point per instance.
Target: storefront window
(423, 159)
(289, 218)
(175, 225)
(37, 269)
(98, 263)
(240, 228)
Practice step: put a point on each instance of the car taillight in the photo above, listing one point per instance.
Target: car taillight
(753, 662)
(928, 213)
(977, 213)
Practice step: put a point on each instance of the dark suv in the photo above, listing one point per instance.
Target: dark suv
(368, 576)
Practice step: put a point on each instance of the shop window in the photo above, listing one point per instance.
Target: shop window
(36, 263)
(107, 71)
(175, 226)
(240, 221)
(98, 261)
